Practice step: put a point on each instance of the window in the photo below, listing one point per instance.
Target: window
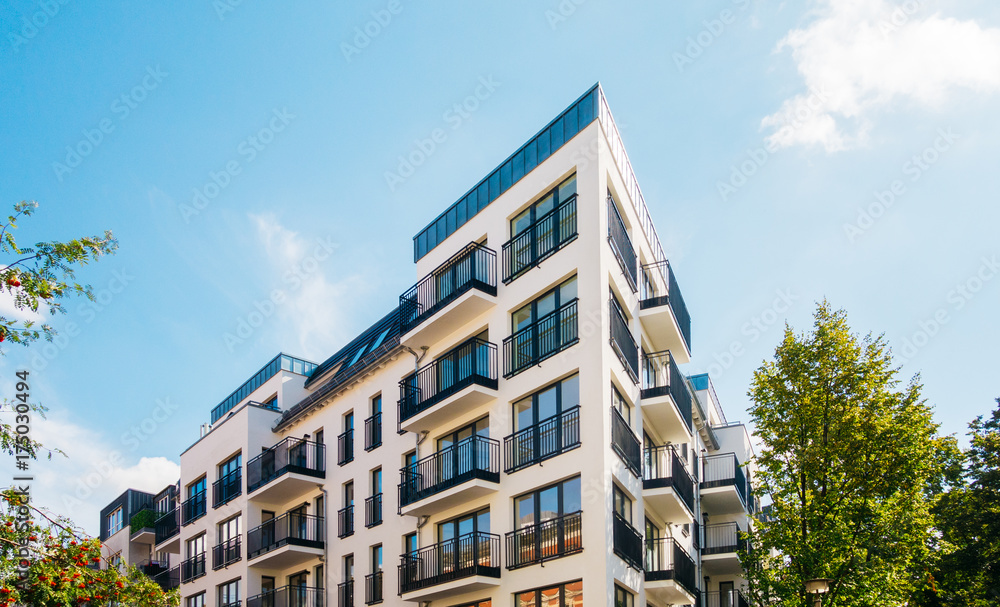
(622, 504)
(319, 437)
(376, 484)
(231, 529)
(229, 593)
(266, 583)
(230, 466)
(348, 567)
(547, 403)
(478, 522)
(116, 520)
(546, 304)
(349, 422)
(164, 504)
(196, 488)
(115, 561)
(479, 427)
(482, 603)
(621, 405)
(196, 546)
(197, 600)
(544, 205)
(542, 328)
(348, 494)
(410, 543)
(623, 598)
(548, 503)
(563, 595)
(376, 558)
(547, 524)
(376, 405)
(319, 576)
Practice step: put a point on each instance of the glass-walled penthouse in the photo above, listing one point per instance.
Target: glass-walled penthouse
(281, 362)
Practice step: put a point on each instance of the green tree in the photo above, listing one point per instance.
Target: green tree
(40, 276)
(850, 459)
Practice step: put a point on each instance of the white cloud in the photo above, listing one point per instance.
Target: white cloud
(862, 56)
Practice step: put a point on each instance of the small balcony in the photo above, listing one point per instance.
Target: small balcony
(726, 598)
(627, 542)
(625, 444)
(373, 511)
(724, 485)
(663, 312)
(286, 471)
(621, 244)
(623, 344)
(373, 588)
(667, 487)
(721, 543)
(462, 472)
(345, 447)
(373, 432)
(345, 594)
(289, 596)
(227, 488)
(670, 572)
(455, 382)
(193, 568)
(227, 553)
(142, 527)
(288, 540)
(546, 337)
(168, 579)
(544, 440)
(551, 539)
(537, 242)
(457, 291)
(193, 508)
(345, 522)
(167, 531)
(152, 568)
(469, 563)
(665, 397)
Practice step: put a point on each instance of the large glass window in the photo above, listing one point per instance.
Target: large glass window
(563, 595)
(548, 503)
(547, 403)
(116, 520)
(230, 466)
(478, 522)
(623, 598)
(230, 529)
(377, 558)
(545, 304)
(196, 487)
(196, 546)
(229, 593)
(621, 405)
(197, 600)
(621, 504)
(543, 206)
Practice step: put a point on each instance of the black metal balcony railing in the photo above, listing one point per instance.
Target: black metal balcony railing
(373, 510)
(621, 245)
(696, 535)
(666, 560)
(345, 521)
(547, 336)
(345, 594)
(722, 538)
(168, 579)
(345, 447)
(226, 553)
(373, 588)
(193, 568)
(473, 362)
(661, 377)
(663, 467)
(291, 528)
(551, 539)
(168, 525)
(726, 598)
(477, 457)
(373, 431)
(465, 556)
(152, 567)
(724, 470)
(627, 542)
(537, 443)
(227, 488)
(236, 603)
(294, 455)
(193, 508)
(652, 295)
(289, 596)
(625, 444)
(548, 234)
(622, 342)
(474, 267)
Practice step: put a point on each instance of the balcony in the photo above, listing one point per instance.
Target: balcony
(286, 541)
(551, 539)
(226, 553)
(724, 485)
(227, 488)
(465, 564)
(546, 337)
(625, 444)
(373, 432)
(286, 471)
(345, 447)
(671, 576)
(193, 508)
(534, 244)
(373, 511)
(462, 472)
(721, 543)
(622, 342)
(167, 531)
(455, 382)
(663, 312)
(667, 487)
(665, 397)
(627, 542)
(142, 527)
(546, 439)
(152, 568)
(289, 596)
(345, 522)
(621, 245)
(373, 588)
(193, 568)
(457, 291)
(168, 579)
(727, 598)
(345, 594)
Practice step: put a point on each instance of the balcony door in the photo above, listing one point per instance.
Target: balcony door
(298, 594)
(459, 450)
(459, 543)
(539, 411)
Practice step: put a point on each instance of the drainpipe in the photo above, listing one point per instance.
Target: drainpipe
(326, 545)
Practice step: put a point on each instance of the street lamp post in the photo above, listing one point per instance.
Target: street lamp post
(819, 587)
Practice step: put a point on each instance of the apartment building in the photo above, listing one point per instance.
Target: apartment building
(516, 430)
(130, 529)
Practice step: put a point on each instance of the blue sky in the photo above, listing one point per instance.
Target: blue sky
(239, 150)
